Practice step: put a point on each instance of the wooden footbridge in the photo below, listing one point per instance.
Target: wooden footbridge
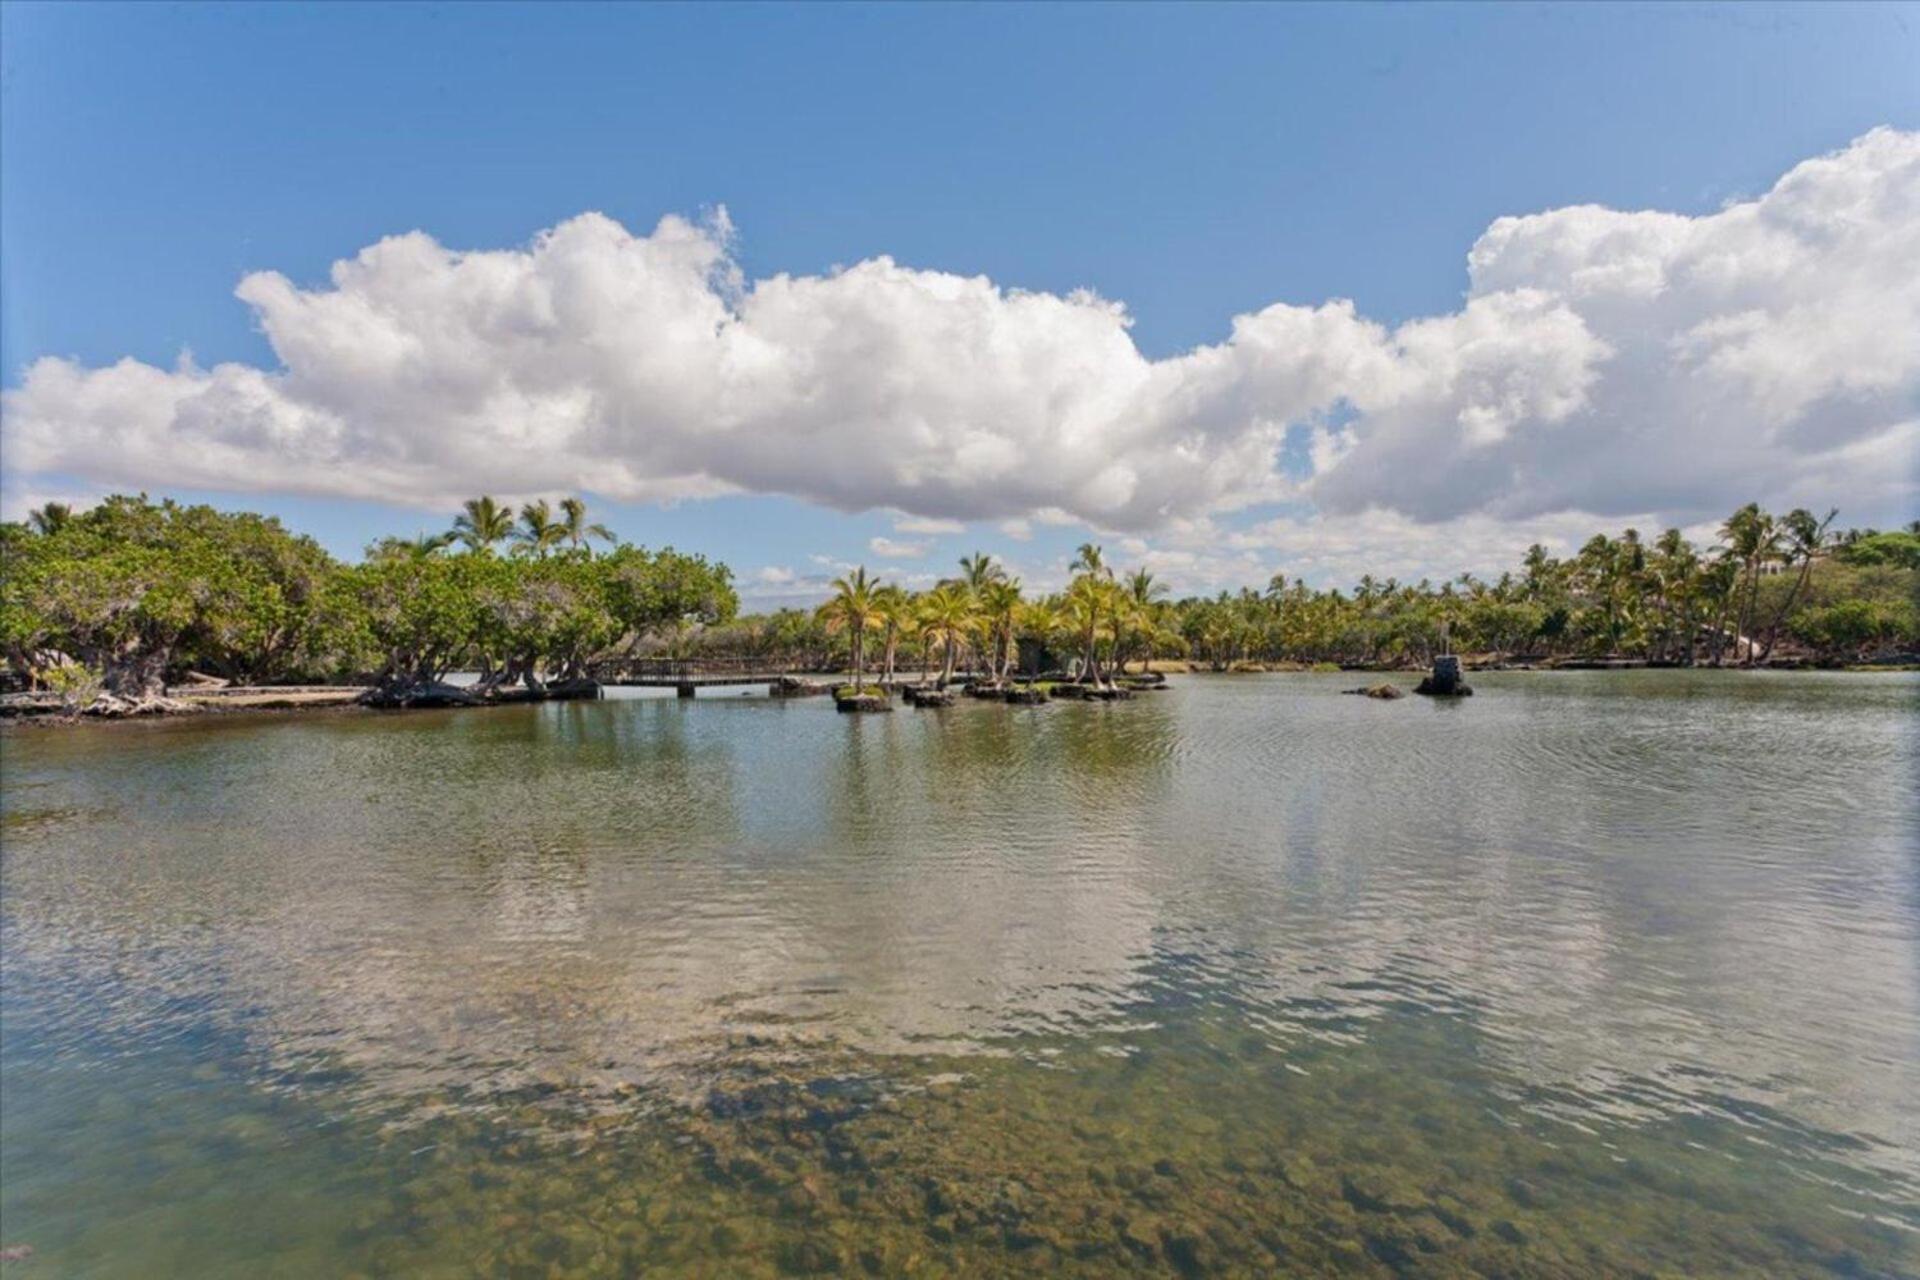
(687, 676)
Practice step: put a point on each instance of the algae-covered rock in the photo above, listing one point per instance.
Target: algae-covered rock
(1384, 692)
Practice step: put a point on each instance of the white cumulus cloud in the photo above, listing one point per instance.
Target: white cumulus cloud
(1602, 361)
(924, 525)
(897, 549)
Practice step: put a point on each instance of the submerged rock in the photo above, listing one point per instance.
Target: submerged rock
(1432, 689)
(1385, 692)
(795, 687)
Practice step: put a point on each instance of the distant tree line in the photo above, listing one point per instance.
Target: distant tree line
(1772, 587)
(131, 593)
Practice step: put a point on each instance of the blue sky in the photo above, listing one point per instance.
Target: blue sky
(1192, 162)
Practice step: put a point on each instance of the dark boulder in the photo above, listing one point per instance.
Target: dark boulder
(411, 695)
(580, 690)
(1445, 681)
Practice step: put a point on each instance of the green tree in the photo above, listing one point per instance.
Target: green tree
(1752, 539)
(853, 610)
(133, 588)
(538, 532)
(893, 610)
(999, 610)
(575, 527)
(947, 618)
(412, 621)
(1806, 538)
(51, 518)
(482, 525)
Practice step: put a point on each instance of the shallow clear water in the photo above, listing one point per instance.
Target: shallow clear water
(1591, 974)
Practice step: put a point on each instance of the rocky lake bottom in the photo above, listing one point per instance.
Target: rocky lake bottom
(1596, 974)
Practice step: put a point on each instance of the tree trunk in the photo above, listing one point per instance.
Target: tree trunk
(136, 675)
(133, 682)
(1720, 630)
(1746, 614)
(1773, 632)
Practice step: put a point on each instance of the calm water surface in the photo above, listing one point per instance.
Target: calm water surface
(1593, 974)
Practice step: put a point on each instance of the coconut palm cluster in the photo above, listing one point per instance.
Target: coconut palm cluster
(975, 621)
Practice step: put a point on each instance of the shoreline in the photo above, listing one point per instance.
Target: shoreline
(43, 709)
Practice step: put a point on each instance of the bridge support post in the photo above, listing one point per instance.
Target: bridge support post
(686, 689)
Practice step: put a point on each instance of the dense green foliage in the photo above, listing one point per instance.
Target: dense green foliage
(1774, 587)
(131, 588)
(137, 590)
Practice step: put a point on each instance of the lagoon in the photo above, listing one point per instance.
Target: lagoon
(1595, 973)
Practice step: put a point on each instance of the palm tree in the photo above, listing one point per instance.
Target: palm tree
(539, 532)
(1090, 564)
(1720, 582)
(482, 523)
(1675, 567)
(1139, 593)
(1085, 607)
(894, 612)
(999, 610)
(1597, 568)
(51, 518)
(574, 526)
(1752, 538)
(1632, 573)
(1806, 538)
(947, 617)
(1090, 560)
(852, 610)
(978, 569)
(977, 572)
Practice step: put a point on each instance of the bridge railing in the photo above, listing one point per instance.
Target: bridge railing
(669, 668)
